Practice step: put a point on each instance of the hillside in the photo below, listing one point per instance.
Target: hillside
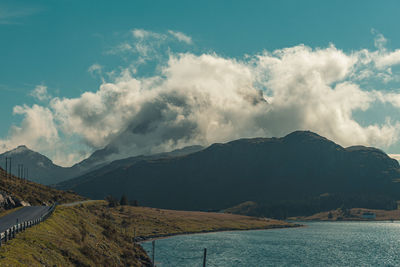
(354, 214)
(33, 193)
(296, 167)
(40, 169)
(93, 234)
(37, 167)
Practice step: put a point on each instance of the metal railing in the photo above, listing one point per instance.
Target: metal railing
(11, 232)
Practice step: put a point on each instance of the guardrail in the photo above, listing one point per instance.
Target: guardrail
(20, 227)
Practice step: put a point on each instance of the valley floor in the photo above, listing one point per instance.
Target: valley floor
(92, 234)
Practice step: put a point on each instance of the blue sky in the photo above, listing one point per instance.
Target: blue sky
(53, 44)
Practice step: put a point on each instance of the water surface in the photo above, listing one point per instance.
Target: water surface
(318, 244)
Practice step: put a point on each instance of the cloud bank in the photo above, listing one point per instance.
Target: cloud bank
(206, 98)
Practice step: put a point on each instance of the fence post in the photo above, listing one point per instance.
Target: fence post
(204, 258)
(154, 251)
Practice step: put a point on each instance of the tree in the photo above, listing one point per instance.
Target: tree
(135, 203)
(112, 202)
(123, 201)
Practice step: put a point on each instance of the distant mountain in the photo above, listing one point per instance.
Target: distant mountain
(126, 163)
(40, 169)
(299, 166)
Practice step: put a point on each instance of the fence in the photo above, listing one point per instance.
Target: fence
(19, 227)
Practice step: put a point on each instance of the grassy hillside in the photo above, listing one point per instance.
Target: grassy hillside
(35, 194)
(354, 214)
(92, 234)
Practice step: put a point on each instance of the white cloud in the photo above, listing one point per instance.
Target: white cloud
(143, 34)
(202, 99)
(95, 68)
(40, 93)
(308, 91)
(388, 59)
(180, 36)
(37, 129)
(379, 41)
(206, 99)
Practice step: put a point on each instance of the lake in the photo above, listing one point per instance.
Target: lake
(317, 244)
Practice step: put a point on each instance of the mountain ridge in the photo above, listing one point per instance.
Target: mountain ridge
(296, 166)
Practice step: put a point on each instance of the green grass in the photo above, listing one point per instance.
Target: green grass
(92, 234)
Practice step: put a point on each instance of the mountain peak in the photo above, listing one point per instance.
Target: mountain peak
(302, 134)
(19, 149)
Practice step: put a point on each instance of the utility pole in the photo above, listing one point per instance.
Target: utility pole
(10, 166)
(6, 165)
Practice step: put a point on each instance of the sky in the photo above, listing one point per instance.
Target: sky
(151, 76)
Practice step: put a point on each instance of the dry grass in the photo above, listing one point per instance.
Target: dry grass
(150, 222)
(92, 234)
(355, 215)
(73, 236)
(35, 194)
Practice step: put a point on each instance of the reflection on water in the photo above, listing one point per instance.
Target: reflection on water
(318, 244)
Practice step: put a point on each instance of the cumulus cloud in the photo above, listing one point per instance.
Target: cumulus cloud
(148, 45)
(207, 98)
(40, 93)
(202, 99)
(37, 129)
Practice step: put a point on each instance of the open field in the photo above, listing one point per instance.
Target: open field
(93, 234)
(354, 214)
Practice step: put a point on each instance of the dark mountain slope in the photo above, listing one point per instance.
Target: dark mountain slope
(297, 166)
(40, 169)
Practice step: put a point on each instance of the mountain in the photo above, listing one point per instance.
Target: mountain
(40, 169)
(125, 163)
(264, 170)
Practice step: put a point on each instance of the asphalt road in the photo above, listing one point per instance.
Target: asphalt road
(23, 214)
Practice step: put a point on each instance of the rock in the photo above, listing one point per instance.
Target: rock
(9, 202)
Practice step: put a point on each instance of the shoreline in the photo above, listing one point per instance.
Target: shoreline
(350, 220)
(155, 237)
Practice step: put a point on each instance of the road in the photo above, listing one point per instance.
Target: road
(23, 214)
